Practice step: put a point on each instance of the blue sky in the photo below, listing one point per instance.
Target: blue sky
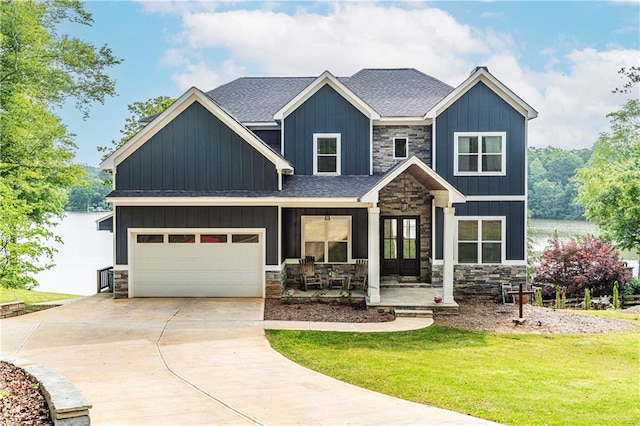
(561, 57)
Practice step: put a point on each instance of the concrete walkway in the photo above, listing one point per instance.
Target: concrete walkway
(193, 362)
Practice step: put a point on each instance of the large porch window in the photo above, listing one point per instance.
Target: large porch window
(327, 238)
(480, 240)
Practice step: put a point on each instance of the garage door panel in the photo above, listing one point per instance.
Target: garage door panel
(197, 269)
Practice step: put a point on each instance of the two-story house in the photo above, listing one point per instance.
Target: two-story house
(222, 193)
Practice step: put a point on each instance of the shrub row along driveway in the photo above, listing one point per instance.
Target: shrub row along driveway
(192, 361)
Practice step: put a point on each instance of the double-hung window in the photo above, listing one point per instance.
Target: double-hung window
(480, 153)
(326, 154)
(480, 240)
(327, 238)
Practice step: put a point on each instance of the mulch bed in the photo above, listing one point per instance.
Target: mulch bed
(326, 311)
(21, 402)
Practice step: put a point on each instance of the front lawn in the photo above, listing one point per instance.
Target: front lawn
(620, 314)
(522, 379)
(30, 296)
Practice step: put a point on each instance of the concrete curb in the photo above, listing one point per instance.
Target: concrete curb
(400, 324)
(68, 407)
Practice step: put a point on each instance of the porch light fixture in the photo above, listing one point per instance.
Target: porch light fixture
(327, 217)
(404, 206)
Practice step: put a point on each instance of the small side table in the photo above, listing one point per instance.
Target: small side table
(337, 282)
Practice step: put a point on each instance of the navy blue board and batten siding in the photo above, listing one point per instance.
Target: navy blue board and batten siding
(196, 217)
(326, 111)
(196, 152)
(482, 110)
(513, 211)
(292, 227)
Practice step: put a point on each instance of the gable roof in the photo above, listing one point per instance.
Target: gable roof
(326, 78)
(399, 92)
(482, 74)
(437, 185)
(181, 104)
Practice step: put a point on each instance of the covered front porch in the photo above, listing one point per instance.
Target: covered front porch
(408, 196)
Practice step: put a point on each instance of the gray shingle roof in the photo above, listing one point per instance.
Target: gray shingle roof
(256, 99)
(401, 92)
(294, 186)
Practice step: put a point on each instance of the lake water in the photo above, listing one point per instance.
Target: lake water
(86, 250)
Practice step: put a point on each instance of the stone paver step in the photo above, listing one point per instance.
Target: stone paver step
(418, 313)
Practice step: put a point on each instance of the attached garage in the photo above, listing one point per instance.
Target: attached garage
(206, 263)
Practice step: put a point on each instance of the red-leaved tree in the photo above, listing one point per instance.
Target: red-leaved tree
(586, 262)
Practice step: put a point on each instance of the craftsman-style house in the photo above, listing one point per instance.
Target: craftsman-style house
(222, 193)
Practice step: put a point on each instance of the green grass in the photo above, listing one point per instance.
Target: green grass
(512, 379)
(29, 296)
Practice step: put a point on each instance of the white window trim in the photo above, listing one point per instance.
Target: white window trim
(316, 136)
(479, 219)
(503, 166)
(406, 148)
(326, 246)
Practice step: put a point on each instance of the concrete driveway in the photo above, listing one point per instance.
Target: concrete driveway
(192, 362)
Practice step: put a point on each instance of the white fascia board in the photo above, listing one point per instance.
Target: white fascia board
(267, 125)
(402, 121)
(453, 195)
(496, 198)
(337, 202)
(494, 84)
(181, 104)
(326, 78)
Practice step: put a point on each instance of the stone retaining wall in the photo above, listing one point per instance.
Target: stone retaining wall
(481, 281)
(274, 284)
(11, 309)
(67, 405)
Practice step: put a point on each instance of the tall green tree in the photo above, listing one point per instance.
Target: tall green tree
(40, 70)
(610, 190)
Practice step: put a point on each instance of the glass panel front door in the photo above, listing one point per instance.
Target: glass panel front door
(400, 246)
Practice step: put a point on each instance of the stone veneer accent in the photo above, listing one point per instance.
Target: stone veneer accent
(11, 309)
(405, 188)
(274, 284)
(473, 281)
(419, 144)
(120, 284)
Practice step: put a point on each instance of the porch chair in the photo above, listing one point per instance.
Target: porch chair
(308, 275)
(506, 297)
(359, 276)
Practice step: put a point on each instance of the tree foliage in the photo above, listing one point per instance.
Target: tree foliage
(139, 110)
(586, 262)
(91, 192)
(552, 185)
(40, 70)
(610, 184)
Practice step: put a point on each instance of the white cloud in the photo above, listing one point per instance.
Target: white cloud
(571, 89)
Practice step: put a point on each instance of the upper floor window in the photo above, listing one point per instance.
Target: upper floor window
(326, 154)
(400, 148)
(480, 153)
(480, 240)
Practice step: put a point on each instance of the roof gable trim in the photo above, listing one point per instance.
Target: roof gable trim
(481, 74)
(180, 105)
(326, 78)
(450, 193)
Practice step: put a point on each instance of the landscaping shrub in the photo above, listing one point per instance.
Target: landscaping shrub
(632, 287)
(585, 261)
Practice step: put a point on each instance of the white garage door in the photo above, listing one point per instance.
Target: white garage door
(201, 264)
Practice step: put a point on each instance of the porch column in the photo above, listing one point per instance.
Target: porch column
(374, 255)
(448, 243)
